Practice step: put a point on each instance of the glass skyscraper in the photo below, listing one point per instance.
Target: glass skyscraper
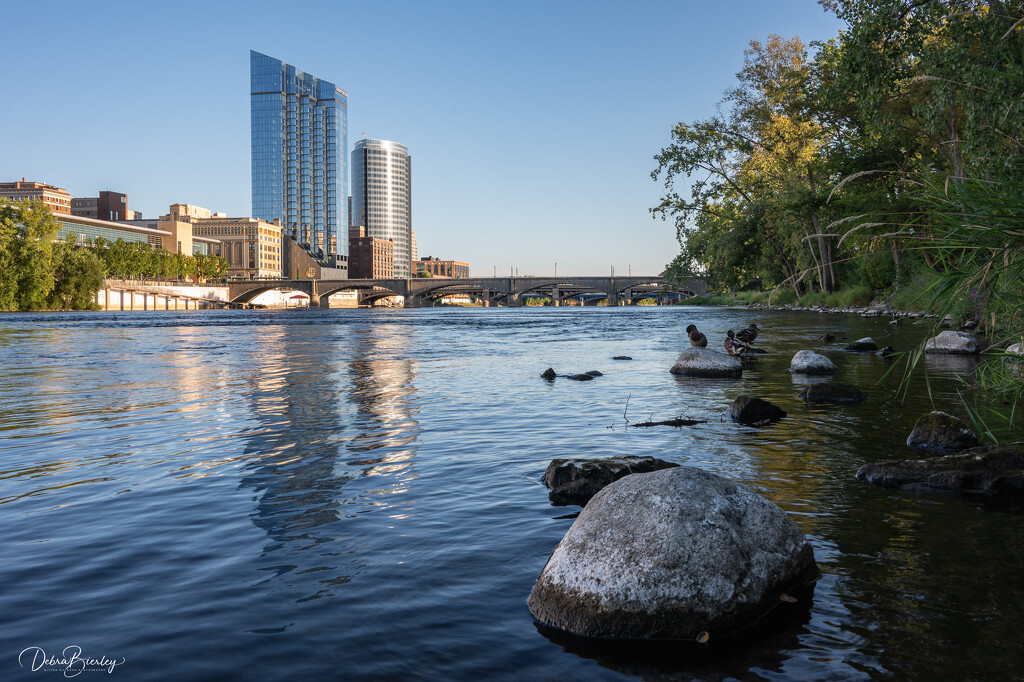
(382, 196)
(300, 155)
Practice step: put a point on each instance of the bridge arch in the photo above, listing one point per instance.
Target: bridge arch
(244, 292)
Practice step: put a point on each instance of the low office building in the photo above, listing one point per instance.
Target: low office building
(442, 268)
(369, 257)
(252, 247)
(56, 199)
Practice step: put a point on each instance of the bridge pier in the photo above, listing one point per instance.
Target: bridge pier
(556, 296)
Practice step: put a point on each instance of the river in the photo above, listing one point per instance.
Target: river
(355, 494)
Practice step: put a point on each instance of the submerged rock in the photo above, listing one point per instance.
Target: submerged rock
(548, 374)
(836, 394)
(809, 362)
(622, 357)
(749, 410)
(701, 362)
(680, 553)
(956, 343)
(940, 431)
(867, 343)
(594, 373)
(886, 352)
(992, 468)
(575, 481)
(580, 377)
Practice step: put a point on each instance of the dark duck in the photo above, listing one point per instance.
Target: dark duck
(697, 340)
(732, 346)
(747, 335)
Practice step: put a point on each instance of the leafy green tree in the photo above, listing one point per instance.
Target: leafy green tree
(78, 275)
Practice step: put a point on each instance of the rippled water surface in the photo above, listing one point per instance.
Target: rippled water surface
(306, 495)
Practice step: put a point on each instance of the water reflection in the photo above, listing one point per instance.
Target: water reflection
(321, 405)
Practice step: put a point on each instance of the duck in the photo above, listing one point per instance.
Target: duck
(747, 335)
(732, 346)
(697, 340)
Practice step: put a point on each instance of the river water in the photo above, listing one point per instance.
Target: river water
(355, 494)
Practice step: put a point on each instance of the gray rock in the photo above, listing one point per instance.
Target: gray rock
(992, 468)
(940, 431)
(702, 362)
(594, 373)
(672, 554)
(622, 357)
(748, 410)
(1016, 349)
(575, 481)
(580, 377)
(867, 343)
(886, 352)
(955, 343)
(836, 394)
(809, 362)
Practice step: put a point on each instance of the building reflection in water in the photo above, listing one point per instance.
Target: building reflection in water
(334, 439)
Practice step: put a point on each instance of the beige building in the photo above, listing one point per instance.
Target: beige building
(56, 199)
(441, 268)
(251, 247)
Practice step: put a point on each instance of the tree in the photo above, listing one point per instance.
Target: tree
(78, 275)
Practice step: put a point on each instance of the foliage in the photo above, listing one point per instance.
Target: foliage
(78, 275)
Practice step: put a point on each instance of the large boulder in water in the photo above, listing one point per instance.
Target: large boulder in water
(955, 343)
(940, 431)
(701, 362)
(749, 410)
(671, 554)
(809, 362)
(992, 468)
(575, 481)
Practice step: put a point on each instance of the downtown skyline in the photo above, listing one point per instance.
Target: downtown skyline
(534, 126)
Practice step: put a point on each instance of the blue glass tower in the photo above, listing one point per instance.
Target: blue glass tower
(300, 155)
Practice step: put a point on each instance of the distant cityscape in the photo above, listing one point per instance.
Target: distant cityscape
(304, 223)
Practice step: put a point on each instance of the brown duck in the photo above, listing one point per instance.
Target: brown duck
(747, 335)
(697, 340)
(732, 346)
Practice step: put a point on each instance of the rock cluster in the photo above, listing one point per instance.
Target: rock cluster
(679, 553)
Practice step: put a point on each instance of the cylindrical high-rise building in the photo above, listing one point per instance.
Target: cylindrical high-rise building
(382, 196)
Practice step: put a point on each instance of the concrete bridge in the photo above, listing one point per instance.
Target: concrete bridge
(509, 291)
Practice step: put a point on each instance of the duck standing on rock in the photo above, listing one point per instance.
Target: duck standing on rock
(747, 335)
(697, 340)
(732, 346)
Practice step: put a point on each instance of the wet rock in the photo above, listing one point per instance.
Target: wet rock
(672, 554)
(809, 362)
(580, 377)
(827, 337)
(992, 468)
(702, 362)
(866, 344)
(622, 357)
(836, 394)
(940, 431)
(575, 481)
(1016, 349)
(886, 352)
(955, 343)
(749, 410)
(594, 373)
(548, 374)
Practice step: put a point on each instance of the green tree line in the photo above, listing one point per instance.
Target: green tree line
(40, 272)
(874, 158)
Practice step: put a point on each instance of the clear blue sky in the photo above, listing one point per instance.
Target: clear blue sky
(532, 125)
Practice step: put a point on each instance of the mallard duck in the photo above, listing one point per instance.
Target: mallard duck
(697, 340)
(747, 335)
(732, 346)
